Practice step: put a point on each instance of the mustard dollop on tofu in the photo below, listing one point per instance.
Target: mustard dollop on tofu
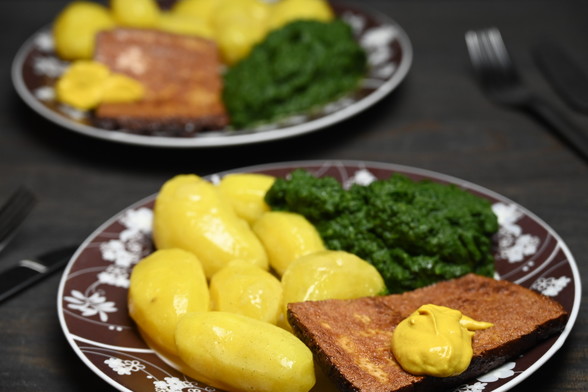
(436, 341)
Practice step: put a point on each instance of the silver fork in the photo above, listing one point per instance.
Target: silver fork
(502, 83)
(13, 213)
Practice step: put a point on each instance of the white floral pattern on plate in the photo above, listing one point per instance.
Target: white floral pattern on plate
(92, 294)
(36, 68)
(90, 305)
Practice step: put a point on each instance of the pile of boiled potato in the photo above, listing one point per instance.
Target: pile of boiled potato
(235, 25)
(214, 293)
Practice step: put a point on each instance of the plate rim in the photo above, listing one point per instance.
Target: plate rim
(545, 357)
(202, 140)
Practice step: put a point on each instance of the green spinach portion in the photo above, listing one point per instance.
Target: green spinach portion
(414, 232)
(297, 68)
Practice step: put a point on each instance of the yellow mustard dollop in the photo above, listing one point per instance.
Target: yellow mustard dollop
(86, 84)
(436, 341)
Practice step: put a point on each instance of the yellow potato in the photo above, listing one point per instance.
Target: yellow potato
(286, 11)
(184, 24)
(230, 11)
(286, 236)
(202, 9)
(76, 26)
(238, 353)
(330, 274)
(190, 214)
(246, 289)
(246, 192)
(238, 25)
(135, 13)
(164, 287)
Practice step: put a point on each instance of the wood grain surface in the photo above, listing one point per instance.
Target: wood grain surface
(438, 120)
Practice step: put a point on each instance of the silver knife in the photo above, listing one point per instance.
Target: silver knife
(29, 271)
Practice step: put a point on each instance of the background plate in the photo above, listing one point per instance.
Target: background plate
(36, 68)
(92, 297)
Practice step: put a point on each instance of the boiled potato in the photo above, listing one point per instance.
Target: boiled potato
(184, 24)
(286, 11)
(286, 236)
(246, 192)
(135, 13)
(330, 274)
(238, 25)
(244, 288)
(202, 9)
(76, 26)
(238, 353)
(190, 214)
(165, 286)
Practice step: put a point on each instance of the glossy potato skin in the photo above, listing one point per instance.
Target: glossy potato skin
(286, 236)
(330, 274)
(246, 192)
(190, 214)
(246, 289)
(165, 286)
(238, 353)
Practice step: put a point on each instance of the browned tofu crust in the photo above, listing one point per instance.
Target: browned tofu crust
(351, 338)
(181, 75)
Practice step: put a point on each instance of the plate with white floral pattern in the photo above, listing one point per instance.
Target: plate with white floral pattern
(92, 297)
(36, 68)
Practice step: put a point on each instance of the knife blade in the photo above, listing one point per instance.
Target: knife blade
(567, 78)
(29, 271)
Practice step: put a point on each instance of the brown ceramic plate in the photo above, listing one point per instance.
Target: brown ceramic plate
(36, 68)
(92, 299)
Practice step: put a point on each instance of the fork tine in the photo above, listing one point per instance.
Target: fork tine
(496, 42)
(499, 54)
(490, 56)
(473, 45)
(502, 83)
(480, 56)
(13, 213)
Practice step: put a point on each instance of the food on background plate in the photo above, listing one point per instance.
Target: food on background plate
(76, 26)
(296, 69)
(238, 26)
(351, 338)
(287, 11)
(182, 24)
(414, 232)
(86, 84)
(310, 64)
(201, 9)
(181, 77)
(135, 13)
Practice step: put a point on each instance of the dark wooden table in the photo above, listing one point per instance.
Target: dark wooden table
(438, 119)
